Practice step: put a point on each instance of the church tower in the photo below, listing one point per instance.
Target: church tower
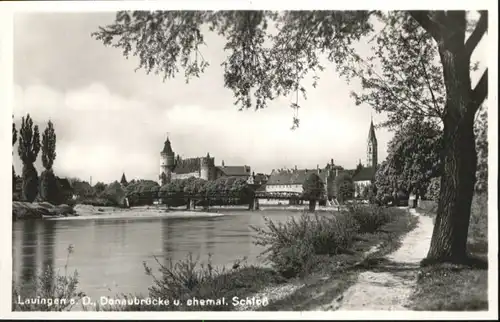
(372, 148)
(167, 163)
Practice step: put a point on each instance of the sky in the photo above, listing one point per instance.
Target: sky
(110, 118)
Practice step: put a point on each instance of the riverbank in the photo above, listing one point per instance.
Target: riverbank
(42, 210)
(47, 211)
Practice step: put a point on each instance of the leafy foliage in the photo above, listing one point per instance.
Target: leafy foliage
(163, 179)
(369, 218)
(14, 133)
(414, 153)
(313, 187)
(99, 187)
(30, 183)
(49, 188)
(481, 132)
(433, 189)
(115, 193)
(82, 188)
(29, 141)
(344, 186)
(291, 246)
(261, 65)
(48, 146)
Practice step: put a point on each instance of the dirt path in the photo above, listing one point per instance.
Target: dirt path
(388, 286)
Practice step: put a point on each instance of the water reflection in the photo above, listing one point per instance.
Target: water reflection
(109, 253)
(28, 251)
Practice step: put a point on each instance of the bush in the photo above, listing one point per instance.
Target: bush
(369, 218)
(188, 279)
(291, 246)
(60, 291)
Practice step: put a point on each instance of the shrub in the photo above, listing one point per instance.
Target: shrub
(291, 246)
(189, 279)
(48, 284)
(369, 218)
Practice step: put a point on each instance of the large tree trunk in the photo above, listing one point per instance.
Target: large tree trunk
(449, 238)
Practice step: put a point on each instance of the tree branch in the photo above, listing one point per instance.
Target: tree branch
(434, 101)
(477, 34)
(480, 92)
(422, 17)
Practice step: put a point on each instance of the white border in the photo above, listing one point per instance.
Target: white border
(6, 97)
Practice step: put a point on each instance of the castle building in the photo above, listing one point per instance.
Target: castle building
(174, 167)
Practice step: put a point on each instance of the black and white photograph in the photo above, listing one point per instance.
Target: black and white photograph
(246, 160)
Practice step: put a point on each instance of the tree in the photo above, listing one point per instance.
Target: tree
(48, 182)
(99, 187)
(313, 190)
(265, 65)
(14, 140)
(82, 188)
(414, 154)
(28, 148)
(115, 194)
(344, 186)
(163, 179)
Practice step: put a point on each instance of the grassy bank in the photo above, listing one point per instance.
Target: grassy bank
(459, 287)
(320, 254)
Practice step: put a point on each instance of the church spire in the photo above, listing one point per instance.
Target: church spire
(371, 132)
(372, 148)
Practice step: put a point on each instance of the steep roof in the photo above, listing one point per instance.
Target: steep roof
(289, 177)
(363, 174)
(190, 165)
(235, 170)
(167, 148)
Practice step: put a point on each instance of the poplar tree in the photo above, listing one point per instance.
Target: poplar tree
(48, 181)
(28, 148)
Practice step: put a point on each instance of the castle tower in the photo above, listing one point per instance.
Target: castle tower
(206, 164)
(372, 148)
(167, 163)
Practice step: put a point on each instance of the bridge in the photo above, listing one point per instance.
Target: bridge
(224, 197)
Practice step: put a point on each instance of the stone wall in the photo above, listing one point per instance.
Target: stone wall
(185, 175)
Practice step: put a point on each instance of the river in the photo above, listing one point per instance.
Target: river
(108, 253)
